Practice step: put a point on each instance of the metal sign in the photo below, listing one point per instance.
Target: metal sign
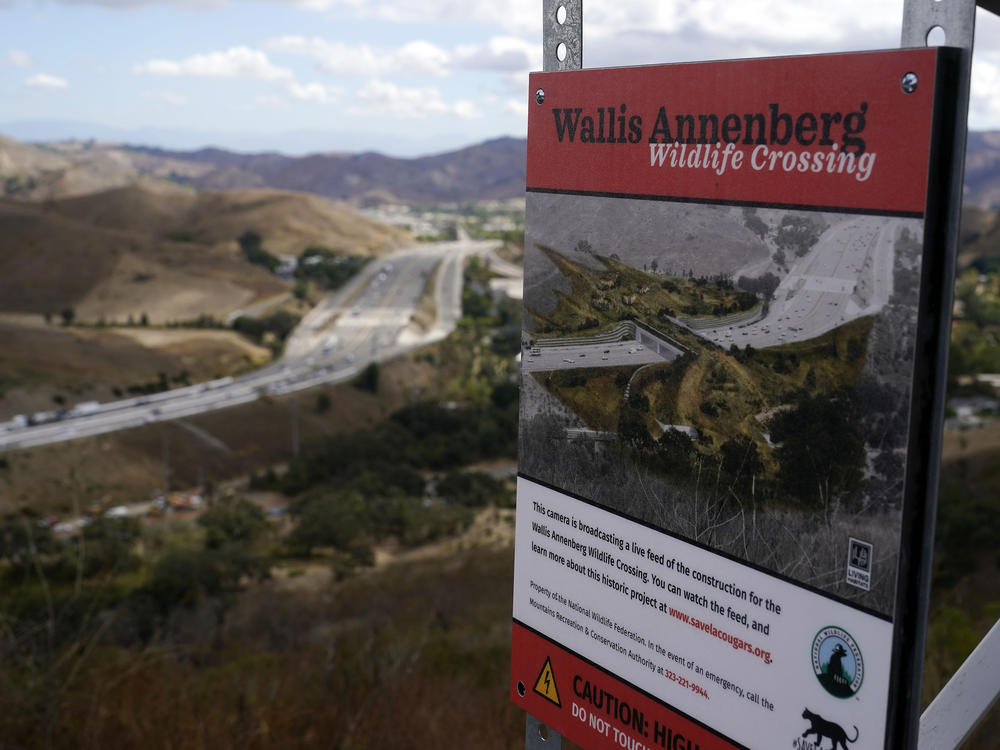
(736, 289)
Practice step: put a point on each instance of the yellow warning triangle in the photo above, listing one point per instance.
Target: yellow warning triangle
(545, 685)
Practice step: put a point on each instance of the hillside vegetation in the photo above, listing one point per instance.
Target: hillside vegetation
(171, 254)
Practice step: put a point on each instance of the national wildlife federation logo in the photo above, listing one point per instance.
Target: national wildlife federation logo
(837, 662)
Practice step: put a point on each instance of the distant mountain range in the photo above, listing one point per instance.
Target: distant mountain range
(493, 170)
(982, 170)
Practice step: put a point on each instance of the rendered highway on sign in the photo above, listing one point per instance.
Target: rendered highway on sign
(847, 274)
(367, 321)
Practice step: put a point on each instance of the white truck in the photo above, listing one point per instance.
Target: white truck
(85, 408)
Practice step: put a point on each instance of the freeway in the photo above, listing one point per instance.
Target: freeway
(847, 274)
(587, 354)
(368, 320)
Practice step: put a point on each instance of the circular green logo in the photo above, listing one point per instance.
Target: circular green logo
(837, 662)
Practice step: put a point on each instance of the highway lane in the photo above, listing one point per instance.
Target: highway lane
(368, 320)
(618, 354)
(847, 274)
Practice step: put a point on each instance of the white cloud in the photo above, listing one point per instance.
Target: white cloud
(324, 4)
(268, 101)
(803, 22)
(512, 15)
(505, 54)
(422, 58)
(127, 4)
(522, 16)
(235, 62)
(315, 92)
(331, 56)
(18, 59)
(165, 97)
(466, 109)
(516, 107)
(385, 99)
(338, 58)
(984, 109)
(45, 81)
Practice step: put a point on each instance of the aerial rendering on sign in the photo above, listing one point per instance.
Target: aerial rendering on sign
(766, 362)
(723, 298)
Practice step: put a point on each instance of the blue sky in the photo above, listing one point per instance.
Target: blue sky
(398, 76)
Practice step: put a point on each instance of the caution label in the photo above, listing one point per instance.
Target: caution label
(545, 685)
(596, 710)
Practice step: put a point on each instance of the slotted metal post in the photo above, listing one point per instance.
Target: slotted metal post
(562, 35)
(562, 49)
(974, 688)
(932, 23)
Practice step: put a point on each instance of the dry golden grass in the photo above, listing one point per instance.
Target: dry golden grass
(127, 466)
(165, 251)
(415, 656)
(38, 361)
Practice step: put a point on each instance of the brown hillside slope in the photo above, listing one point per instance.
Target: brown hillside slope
(50, 262)
(23, 160)
(115, 254)
(60, 170)
(980, 235)
(288, 222)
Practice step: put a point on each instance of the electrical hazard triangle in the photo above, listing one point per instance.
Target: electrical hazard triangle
(545, 685)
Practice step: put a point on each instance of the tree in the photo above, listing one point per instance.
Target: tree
(67, 314)
(235, 522)
(474, 489)
(323, 403)
(328, 519)
(109, 544)
(368, 379)
(254, 252)
(741, 459)
(821, 452)
(799, 233)
(250, 242)
(21, 538)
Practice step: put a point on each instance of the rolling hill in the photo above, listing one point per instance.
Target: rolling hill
(982, 171)
(163, 250)
(488, 171)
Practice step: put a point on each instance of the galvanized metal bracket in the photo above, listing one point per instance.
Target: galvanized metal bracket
(974, 688)
(562, 35)
(539, 736)
(955, 18)
(562, 49)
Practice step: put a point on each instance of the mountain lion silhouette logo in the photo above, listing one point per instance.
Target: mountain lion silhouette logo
(823, 728)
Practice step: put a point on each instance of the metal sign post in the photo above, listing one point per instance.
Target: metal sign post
(738, 285)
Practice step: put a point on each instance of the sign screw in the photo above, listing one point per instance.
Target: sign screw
(909, 83)
(540, 96)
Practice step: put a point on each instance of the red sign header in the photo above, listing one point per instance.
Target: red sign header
(847, 131)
